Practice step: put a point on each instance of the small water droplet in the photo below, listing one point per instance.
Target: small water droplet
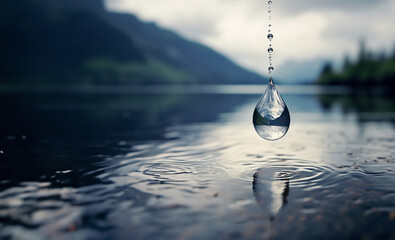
(270, 25)
(270, 2)
(271, 68)
(11, 137)
(271, 116)
(270, 50)
(269, 11)
(270, 36)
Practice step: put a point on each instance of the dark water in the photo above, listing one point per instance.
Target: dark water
(190, 166)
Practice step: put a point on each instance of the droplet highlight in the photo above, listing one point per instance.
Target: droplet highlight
(271, 117)
(270, 36)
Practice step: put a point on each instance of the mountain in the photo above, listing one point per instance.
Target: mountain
(43, 41)
(80, 42)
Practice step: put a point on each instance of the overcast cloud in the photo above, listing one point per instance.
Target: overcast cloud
(304, 30)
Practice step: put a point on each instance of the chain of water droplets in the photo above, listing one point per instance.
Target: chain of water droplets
(270, 37)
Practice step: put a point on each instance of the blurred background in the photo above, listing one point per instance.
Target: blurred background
(126, 119)
(130, 42)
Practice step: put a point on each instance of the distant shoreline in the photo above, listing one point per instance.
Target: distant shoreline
(252, 89)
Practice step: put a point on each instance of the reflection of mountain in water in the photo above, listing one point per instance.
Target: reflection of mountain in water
(63, 132)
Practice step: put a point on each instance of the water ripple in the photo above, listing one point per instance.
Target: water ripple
(300, 173)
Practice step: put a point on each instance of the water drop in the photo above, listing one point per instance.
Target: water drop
(271, 116)
(270, 50)
(270, 2)
(270, 36)
(269, 11)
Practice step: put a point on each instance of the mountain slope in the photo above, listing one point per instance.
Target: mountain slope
(203, 62)
(78, 41)
(42, 40)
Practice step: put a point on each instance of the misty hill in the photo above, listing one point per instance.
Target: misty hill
(79, 41)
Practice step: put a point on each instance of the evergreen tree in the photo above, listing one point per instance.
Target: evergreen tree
(363, 54)
(346, 62)
(327, 69)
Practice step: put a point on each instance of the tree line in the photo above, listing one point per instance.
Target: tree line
(368, 69)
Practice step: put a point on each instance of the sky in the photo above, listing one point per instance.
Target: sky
(306, 32)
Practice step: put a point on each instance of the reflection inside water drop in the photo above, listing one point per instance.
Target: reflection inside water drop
(271, 116)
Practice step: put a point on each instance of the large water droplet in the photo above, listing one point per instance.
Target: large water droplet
(270, 36)
(270, 2)
(271, 116)
(270, 50)
(271, 68)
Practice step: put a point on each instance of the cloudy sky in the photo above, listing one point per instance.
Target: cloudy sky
(306, 31)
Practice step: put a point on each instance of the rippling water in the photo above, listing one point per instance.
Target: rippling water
(190, 166)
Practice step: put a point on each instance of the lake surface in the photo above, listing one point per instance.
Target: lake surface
(154, 163)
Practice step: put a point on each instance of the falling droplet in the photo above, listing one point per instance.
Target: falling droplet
(269, 11)
(271, 116)
(270, 2)
(270, 36)
(270, 50)
(271, 68)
